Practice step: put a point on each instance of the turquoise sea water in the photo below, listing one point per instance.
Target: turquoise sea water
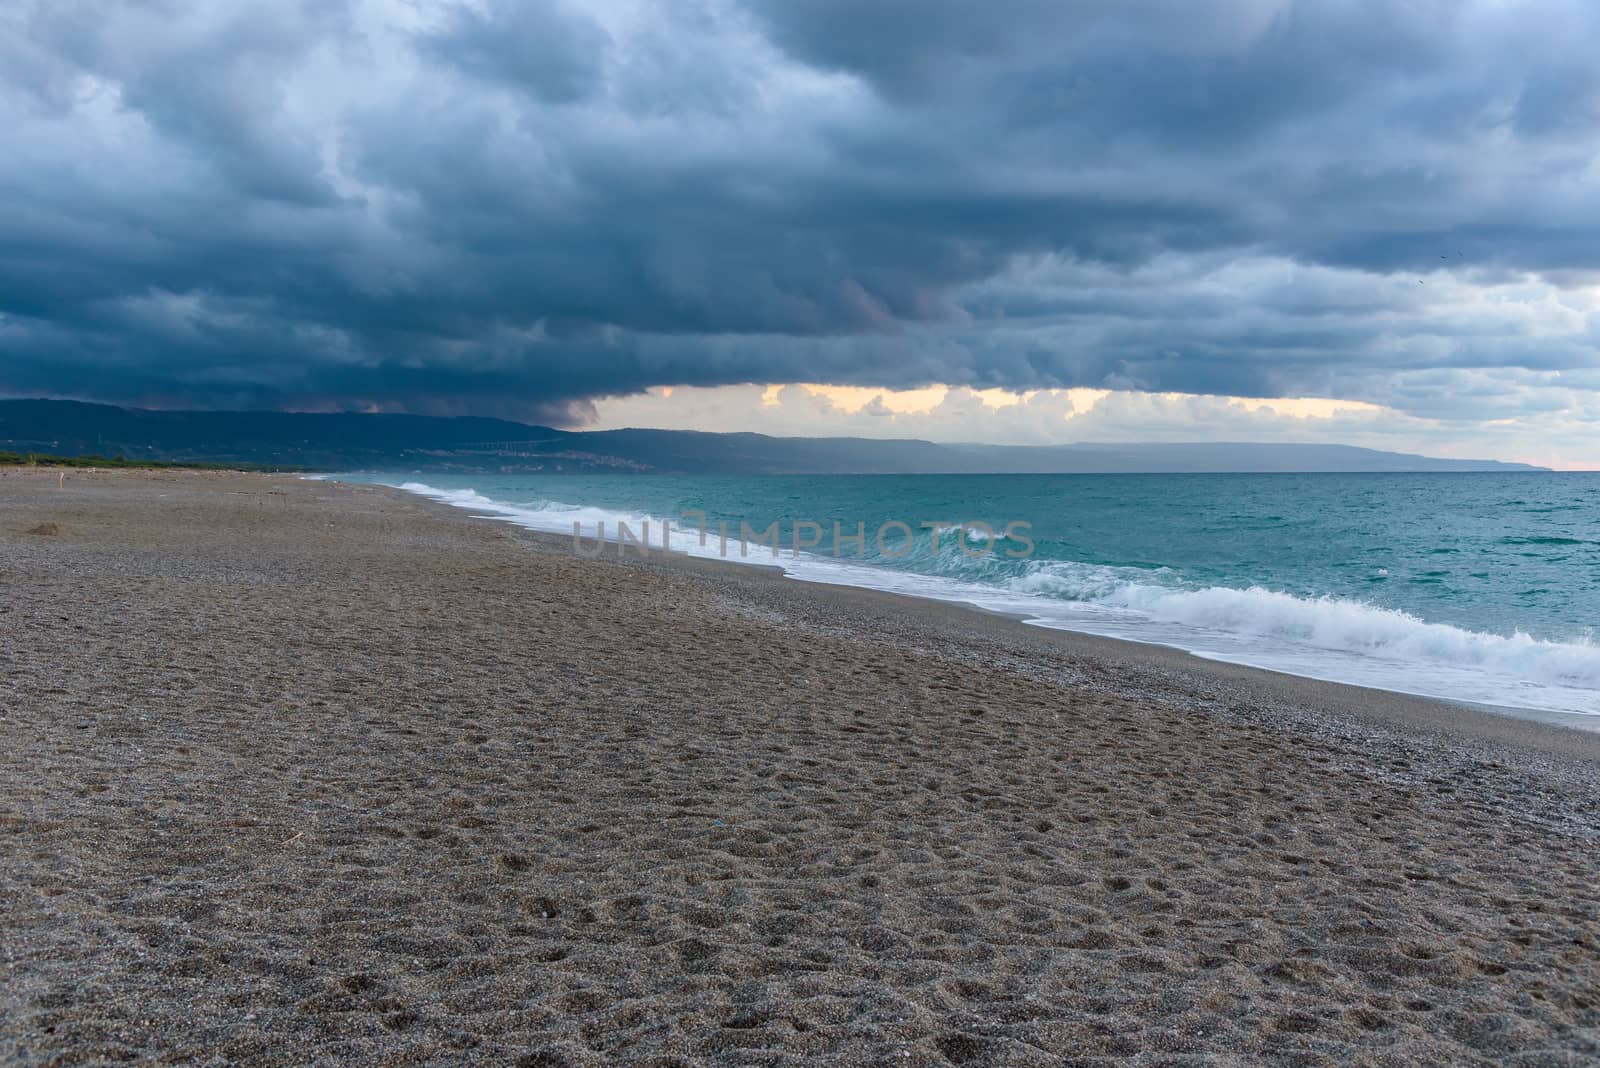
(1477, 587)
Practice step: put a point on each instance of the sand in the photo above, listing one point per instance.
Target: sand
(294, 772)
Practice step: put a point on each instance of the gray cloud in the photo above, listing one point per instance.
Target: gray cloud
(512, 208)
(555, 54)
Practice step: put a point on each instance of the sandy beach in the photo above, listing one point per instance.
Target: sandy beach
(297, 772)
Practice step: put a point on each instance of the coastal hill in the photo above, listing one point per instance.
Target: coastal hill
(350, 441)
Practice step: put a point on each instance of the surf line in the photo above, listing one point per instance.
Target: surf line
(894, 539)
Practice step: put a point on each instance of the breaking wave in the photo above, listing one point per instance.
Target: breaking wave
(1329, 638)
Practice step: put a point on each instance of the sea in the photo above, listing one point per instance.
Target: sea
(1474, 587)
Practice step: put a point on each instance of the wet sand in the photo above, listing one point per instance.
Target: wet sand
(295, 772)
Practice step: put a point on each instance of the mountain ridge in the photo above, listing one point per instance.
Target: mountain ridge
(352, 440)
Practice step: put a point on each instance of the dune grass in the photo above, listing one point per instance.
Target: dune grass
(34, 459)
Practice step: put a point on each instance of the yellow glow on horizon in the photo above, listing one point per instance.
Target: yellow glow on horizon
(1083, 400)
(852, 399)
(997, 398)
(944, 412)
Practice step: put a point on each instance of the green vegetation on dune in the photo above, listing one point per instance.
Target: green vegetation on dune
(33, 459)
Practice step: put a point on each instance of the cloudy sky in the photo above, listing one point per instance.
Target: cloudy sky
(1374, 221)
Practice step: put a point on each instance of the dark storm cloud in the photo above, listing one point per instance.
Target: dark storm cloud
(510, 207)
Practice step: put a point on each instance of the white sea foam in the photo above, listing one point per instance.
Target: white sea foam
(1326, 638)
(1349, 627)
(593, 524)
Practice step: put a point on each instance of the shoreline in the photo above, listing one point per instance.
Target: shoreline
(1299, 689)
(1569, 721)
(1442, 736)
(1171, 674)
(304, 771)
(496, 511)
